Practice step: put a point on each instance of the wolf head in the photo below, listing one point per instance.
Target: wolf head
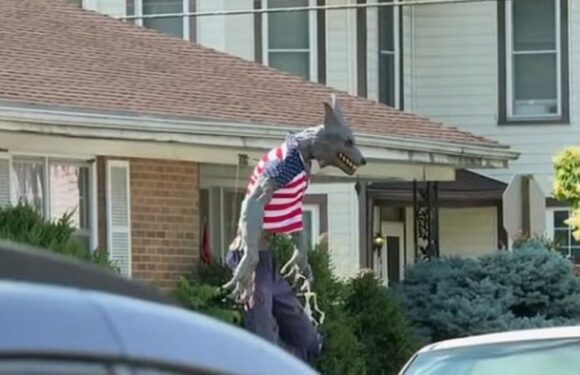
(335, 144)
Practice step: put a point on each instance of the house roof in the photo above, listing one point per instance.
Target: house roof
(56, 54)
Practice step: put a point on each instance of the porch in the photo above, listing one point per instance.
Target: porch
(421, 220)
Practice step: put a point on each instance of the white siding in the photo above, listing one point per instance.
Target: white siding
(343, 226)
(453, 78)
(211, 30)
(240, 30)
(470, 231)
(341, 48)
(467, 232)
(373, 52)
(115, 8)
(408, 53)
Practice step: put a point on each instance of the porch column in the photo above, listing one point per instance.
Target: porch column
(365, 224)
(426, 216)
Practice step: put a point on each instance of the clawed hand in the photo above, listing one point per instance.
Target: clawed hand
(296, 267)
(243, 279)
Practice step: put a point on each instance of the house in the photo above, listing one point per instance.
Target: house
(141, 134)
(503, 70)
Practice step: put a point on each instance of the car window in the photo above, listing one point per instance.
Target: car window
(525, 358)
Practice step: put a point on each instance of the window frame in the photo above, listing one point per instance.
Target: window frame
(506, 114)
(92, 204)
(314, 210)
(187, 21)
(396, 53)
(312, 37)
(551, 230)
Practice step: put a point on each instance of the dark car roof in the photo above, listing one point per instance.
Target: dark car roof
(54, 306)
(20, 262)
(57, 321)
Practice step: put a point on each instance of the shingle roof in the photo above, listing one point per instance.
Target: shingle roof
(53, 53)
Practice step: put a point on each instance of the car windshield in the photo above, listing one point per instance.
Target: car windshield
(524, 358)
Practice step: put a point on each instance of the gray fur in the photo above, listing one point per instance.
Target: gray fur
(330, 144)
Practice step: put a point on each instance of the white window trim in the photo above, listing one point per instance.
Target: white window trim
(184, 8)
(80, 160)
(509, 66)
(314, 209)
(7, 156)
(550, 227)
(313, 39)
(396, 53)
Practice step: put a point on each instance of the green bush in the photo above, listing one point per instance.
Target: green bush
(456, 297)
(365, 330)
(24, 224)
(380, 326)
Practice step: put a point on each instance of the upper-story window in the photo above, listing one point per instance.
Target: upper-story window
(388, 55)
(533, 61)
(178, 26)
(290, 38)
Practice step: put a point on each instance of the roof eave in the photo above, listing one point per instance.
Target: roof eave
(240, 135)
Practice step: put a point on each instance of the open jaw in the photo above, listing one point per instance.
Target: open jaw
(347, 165)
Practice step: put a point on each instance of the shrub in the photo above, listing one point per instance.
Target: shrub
(453, 297)
(380, 326)
(24, 224)
(542, 283)
(365, 332)
(527, 242)
(342, 352)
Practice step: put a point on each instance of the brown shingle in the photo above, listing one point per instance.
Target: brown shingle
(53, 53)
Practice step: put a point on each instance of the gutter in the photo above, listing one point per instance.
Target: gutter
(218, 133)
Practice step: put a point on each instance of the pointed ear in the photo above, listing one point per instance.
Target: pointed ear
(333, 114)
(330, 119)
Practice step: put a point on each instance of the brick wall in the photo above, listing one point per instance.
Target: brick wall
(164, 219)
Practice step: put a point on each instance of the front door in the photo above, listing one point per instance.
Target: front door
(388, 260)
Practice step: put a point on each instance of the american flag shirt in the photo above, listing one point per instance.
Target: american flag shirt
(285, 165)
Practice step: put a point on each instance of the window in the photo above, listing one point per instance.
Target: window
(178, 26)
(311, 217)
(290, 38)
(55, 188)
(221, 208)
(232, 204)
(388, 55)
(534, 62)
(562, 236)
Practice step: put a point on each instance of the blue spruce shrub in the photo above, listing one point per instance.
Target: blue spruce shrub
(542, 282)
(451, 297)
(456, 297)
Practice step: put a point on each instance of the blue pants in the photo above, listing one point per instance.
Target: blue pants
(277, 315)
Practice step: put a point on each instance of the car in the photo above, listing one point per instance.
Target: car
(541, 351)
(61, 316)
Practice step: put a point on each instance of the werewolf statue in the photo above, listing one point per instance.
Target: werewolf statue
(273, 205)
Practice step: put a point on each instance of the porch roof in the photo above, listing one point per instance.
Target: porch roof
(79, 73)
(467, 188)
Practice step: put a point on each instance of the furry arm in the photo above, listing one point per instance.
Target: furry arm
(250, 233)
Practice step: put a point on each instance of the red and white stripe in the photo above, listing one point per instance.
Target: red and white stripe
(284, 212)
